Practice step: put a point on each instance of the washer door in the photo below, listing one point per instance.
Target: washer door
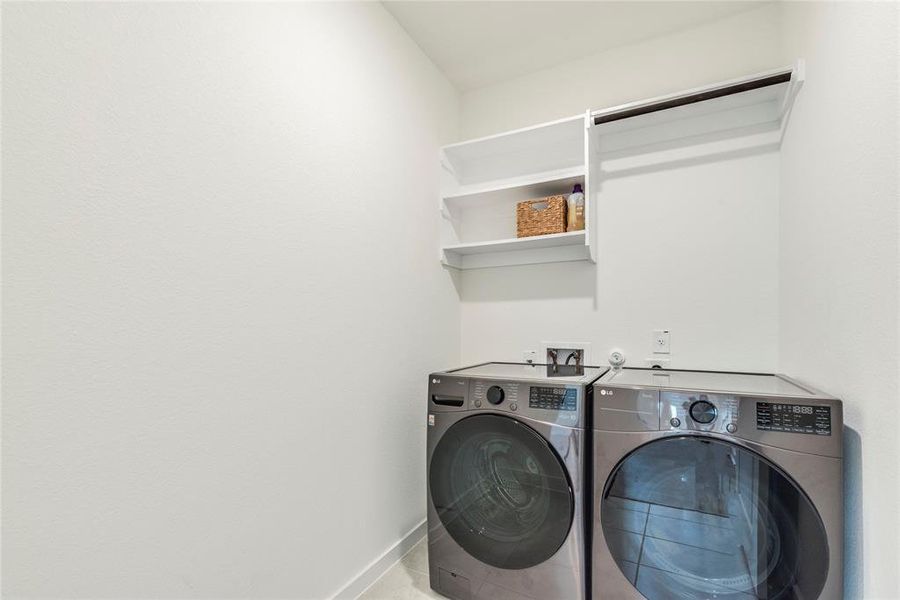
(695, 517)
(501, 491)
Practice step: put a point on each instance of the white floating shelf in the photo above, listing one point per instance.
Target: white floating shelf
(530, 250)
(546, 147)
(759, 108)
(570, 238)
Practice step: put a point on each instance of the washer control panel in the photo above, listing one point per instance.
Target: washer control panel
(553, 398)
(551, 403)
(697, 411)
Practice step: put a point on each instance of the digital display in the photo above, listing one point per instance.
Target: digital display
(553, 398)
(793, 418)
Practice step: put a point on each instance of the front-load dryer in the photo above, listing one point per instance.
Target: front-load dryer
(715, 485)
(506, 462)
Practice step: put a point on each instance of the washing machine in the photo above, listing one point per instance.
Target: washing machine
(715, 485)
(506, 460)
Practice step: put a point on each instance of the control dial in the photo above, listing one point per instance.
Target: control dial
(703, 412)
(495, 394)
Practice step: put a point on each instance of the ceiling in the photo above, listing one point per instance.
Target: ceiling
(479, 43)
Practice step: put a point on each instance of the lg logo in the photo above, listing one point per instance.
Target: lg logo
(606, 392)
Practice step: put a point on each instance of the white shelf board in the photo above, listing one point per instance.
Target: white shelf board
(546, 147)
(560, 247)
(761, 107)
(518, 257)
(517, 189)
(755, 108)
(570, 238)
(732, 98)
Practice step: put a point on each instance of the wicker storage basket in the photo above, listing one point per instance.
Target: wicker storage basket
(541, 217)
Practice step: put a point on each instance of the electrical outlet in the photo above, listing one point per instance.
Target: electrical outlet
(662, 341)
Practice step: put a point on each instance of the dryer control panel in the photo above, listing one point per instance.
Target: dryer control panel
(793, 418)
(696, 411)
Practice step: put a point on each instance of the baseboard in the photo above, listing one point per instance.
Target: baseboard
(380, 565)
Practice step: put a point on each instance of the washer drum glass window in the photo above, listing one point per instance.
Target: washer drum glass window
(501, 491)
(695, 517)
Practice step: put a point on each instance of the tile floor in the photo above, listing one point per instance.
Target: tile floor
(662, 548)
(406, 580)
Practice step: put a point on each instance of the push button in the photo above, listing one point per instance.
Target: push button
(513, 406)
(675, 422)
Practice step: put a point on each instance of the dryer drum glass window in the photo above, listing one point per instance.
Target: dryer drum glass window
(693, 517)
(501, 491)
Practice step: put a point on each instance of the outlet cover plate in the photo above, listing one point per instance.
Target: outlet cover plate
(661, 341)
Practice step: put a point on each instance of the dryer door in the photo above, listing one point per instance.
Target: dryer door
(501, 491)
(697, 517)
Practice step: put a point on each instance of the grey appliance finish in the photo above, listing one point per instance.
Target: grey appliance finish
(506, 488)
(715, 485)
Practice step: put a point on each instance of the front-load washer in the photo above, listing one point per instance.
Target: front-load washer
(715, 485)
(506, 448)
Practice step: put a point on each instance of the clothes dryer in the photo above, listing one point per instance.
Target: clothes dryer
(715, 485)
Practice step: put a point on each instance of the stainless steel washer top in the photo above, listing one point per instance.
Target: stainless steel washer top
(715, 485)
(530, 372)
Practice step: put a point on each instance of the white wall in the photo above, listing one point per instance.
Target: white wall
(809, 284)
(690, 246)
(747, 42)
(674, 251)
(839, 258)
(221, 295)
